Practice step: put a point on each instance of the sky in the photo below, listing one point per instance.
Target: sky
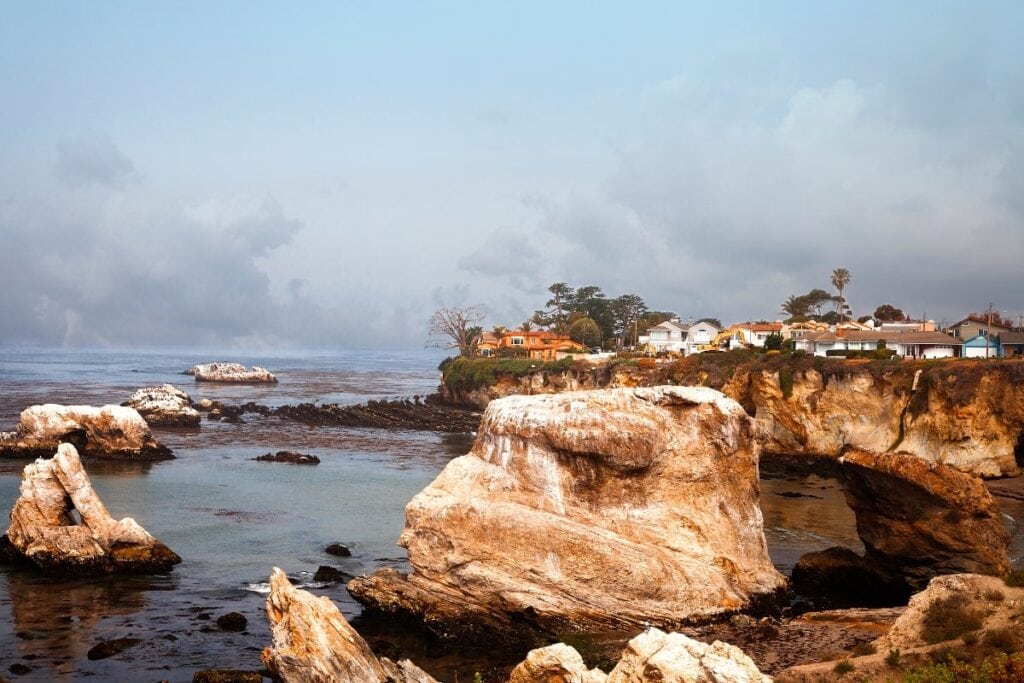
(325, 175)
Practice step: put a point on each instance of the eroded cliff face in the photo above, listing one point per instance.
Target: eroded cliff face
(587, 510)
(963, 414)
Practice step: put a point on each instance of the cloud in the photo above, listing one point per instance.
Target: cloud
(725, 200)
(509, 255)
(91, 160)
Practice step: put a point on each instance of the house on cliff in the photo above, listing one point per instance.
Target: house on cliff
(982, 346)
(536, 344)
(668, 336)
(1012, 344)
(973, 325)
(906, 344)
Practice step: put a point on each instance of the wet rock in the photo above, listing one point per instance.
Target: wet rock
(289, 457)
(45, 532)
(919, 519)
(231, 372)
(232, 621)
(109, 648)
(19, 669)
(431, 414)
(338, 549)
(844, 578)
(312, 641)
(327, 574)
(227, 676)
(165, 405)
(587, 510)
(107, 432)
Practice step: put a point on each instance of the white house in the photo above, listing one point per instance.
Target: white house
(666, 336)
(698, 335)
(905, 344)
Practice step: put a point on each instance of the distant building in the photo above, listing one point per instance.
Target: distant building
(906, 344)
(973, 325)
(1012, 344)
(539, 344)
(982, 346)
(667, 336)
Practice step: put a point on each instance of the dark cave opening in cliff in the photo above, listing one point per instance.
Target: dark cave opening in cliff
(1018, 450)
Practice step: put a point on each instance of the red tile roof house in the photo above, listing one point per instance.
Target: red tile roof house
(906, 344)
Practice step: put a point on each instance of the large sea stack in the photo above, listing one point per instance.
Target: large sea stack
(583, 511)
(106, 432)
(44, 530)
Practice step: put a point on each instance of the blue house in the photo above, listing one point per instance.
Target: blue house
(976, 347)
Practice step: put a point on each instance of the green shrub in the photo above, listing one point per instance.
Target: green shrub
(995, 595)
(893, 658)
(999, 669)
(864, 649)
(786, 382)
(1002, 639)
(948, 618)
(466, 374)
(1014, 579)
(843, 667)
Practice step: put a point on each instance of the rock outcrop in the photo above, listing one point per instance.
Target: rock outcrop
(313, 643)
(290, 457)
(587, 510)
(44, 530)
(231, 372)
(967, 415)
(107, 432)
(919, 519)
(164, 406)
(651, 657)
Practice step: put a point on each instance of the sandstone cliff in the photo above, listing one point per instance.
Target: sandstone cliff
(587, 510)
(44, 531)
(961, 413)
(111, 432)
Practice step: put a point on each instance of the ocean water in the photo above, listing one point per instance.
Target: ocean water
(232, 519)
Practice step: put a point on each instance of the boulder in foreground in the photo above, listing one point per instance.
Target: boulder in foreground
(44, 530)
(651, 657)
(231, 372)
(583, 511)
(107, 432)
(165, 406)
(313, 643)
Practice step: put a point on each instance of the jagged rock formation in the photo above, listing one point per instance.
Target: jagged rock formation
(165, 406)
(919, 519)
(109, 432)
(584, 511)
(313, 643)
(651, 657)
(959, 413)
(231, 372)
(44, 531)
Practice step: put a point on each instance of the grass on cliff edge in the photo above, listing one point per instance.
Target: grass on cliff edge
(466, 374)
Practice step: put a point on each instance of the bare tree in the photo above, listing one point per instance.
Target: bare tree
(456, 328)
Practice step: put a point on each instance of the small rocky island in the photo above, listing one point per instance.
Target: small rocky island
(235, 373)
(164, 406)
(106, 432)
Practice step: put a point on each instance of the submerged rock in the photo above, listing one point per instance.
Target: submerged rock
(326, 574)
(338, 549)
(587, 510)
(232, 621)
(231, 372)
(289, 457)
(107, 432)
(109, 648)
(165, 405)
(227, 676)
(845, 579)
(45, 532)
(919, 519)
(312, 641)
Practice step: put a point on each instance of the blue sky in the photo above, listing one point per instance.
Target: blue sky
(253, 174)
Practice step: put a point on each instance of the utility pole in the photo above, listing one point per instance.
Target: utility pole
(988, 333)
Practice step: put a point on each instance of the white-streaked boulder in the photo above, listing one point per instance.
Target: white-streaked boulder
(164, 405)
(231, 372)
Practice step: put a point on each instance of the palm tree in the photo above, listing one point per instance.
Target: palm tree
(840, 278)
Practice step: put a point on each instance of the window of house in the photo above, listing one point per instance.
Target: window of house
(518, 341)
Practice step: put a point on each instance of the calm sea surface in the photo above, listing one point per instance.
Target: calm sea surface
(232, 519)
